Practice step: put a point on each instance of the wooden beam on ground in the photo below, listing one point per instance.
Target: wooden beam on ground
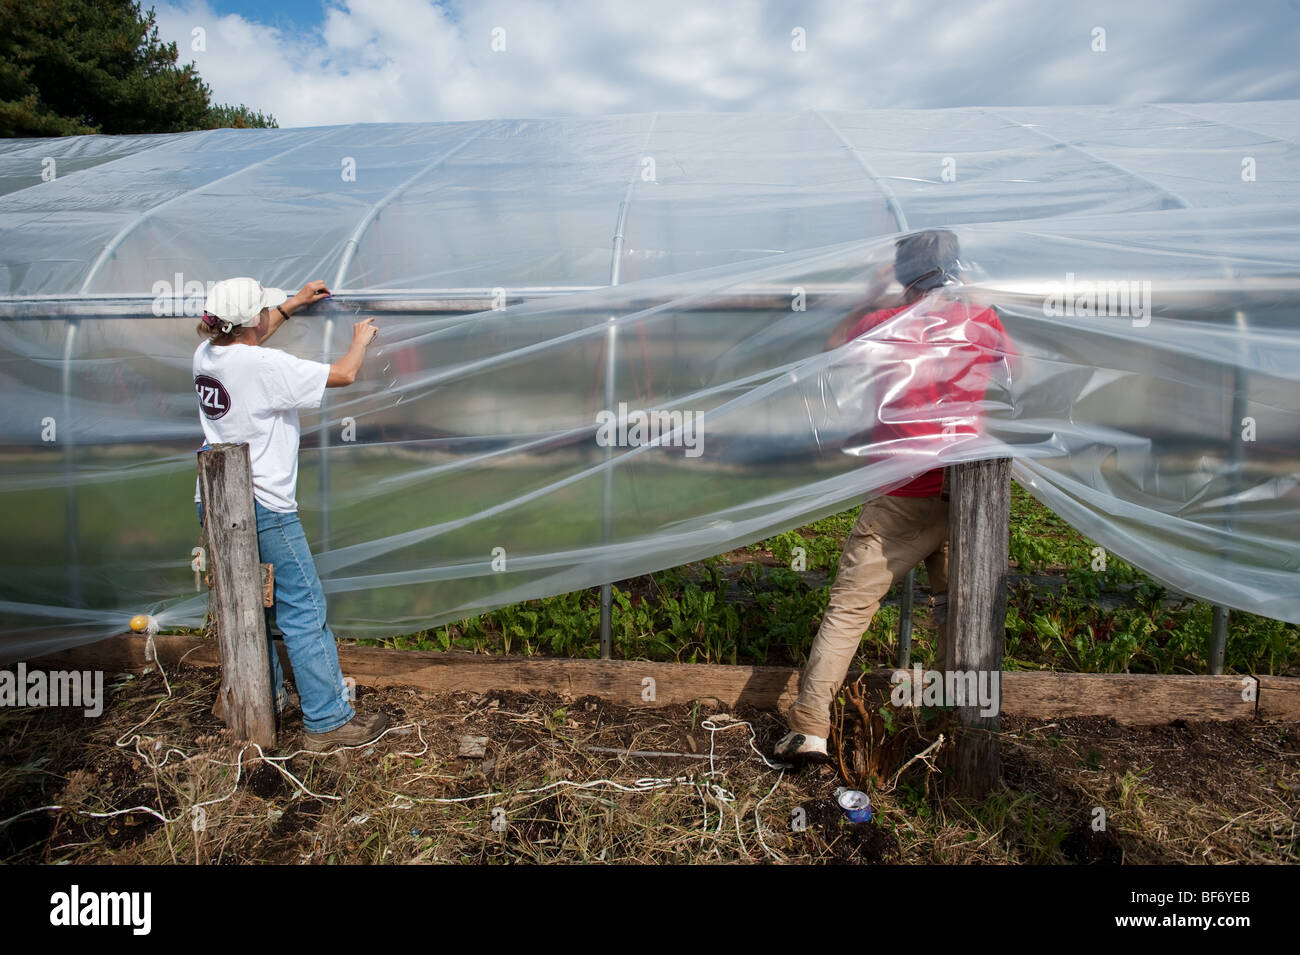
(226, 487)
(1279, 698)
(1130, 698)
(621, 681)
(978, 536)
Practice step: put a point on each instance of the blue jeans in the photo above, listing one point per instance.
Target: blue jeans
(300, 614)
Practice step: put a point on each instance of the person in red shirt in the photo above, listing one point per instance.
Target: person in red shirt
(931, 361)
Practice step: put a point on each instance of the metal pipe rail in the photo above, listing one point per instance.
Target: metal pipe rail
(1201, 296)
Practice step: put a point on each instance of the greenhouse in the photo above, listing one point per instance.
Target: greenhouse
(543, 284)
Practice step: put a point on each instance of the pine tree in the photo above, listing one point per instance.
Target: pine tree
(97, 66)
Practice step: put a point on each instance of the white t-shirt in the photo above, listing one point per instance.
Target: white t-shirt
(252, 394)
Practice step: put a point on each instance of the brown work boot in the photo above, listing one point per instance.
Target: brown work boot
(356, 732)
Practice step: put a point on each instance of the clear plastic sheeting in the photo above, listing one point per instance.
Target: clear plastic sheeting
(610, 346)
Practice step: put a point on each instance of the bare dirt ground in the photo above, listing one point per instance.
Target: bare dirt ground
(158, 779)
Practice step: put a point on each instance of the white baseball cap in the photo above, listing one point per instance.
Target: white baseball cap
(240, 301)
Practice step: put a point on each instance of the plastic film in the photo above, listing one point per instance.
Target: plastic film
(1121, 323)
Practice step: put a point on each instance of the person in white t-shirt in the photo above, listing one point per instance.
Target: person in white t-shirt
(248, 393)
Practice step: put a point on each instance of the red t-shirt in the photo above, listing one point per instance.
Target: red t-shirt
(955, 345)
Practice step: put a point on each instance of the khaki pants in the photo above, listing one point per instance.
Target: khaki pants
(891, 536)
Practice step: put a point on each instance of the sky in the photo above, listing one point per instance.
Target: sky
(322, 62)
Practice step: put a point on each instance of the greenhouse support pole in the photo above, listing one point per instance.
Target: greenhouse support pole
(611, 340)
(905, 620)
(71, 514)
(372, 214)
(607, 518)
(1218, 640)
(1218, 648)
(1187, 295)
(1218, 122)
(886, 191)
(325, 442)
(1179, 201)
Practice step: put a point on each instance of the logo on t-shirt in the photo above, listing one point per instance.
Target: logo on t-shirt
(213, 397)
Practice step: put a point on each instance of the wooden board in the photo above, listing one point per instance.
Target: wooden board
(1129, 698)
(1279, 698)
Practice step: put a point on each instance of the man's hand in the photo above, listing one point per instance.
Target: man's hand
(273, 318)
(344, 371)
(877, 282)
(310, 294)
(364, 332)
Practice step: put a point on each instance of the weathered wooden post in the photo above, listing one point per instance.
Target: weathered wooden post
(978, 530)
(226, 488)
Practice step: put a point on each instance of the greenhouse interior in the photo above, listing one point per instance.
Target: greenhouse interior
(531, 278)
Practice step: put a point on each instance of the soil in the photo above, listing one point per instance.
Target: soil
(1081, 791)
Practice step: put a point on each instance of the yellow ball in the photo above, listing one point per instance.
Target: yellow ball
(140, 623)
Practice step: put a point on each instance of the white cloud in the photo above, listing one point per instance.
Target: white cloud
(413, 60)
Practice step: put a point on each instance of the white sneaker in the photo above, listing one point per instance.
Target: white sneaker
(800, 746)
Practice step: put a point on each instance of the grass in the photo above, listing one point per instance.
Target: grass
(1067, 609)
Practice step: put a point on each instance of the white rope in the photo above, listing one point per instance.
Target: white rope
(704, 785)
